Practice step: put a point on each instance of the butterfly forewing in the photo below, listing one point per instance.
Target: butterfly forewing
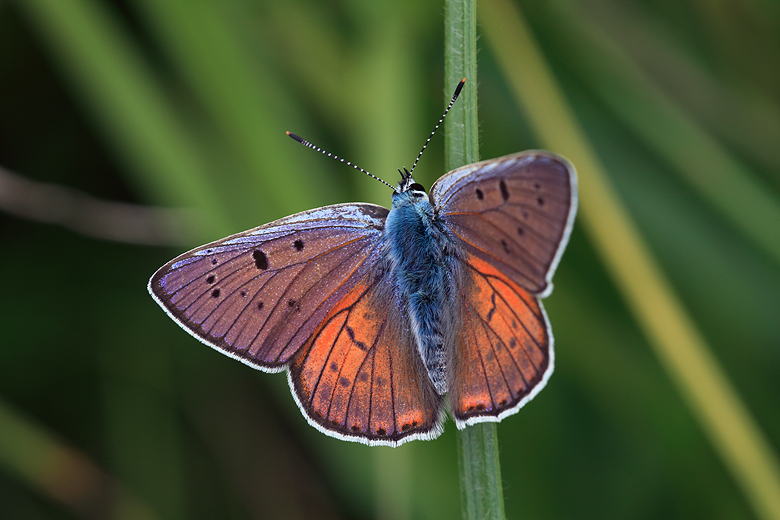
(260, 294)
(514, 212)
(359, 376)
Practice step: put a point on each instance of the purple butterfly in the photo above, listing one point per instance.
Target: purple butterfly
(387, 320)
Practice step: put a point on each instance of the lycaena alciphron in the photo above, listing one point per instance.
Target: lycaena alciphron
(387, 320)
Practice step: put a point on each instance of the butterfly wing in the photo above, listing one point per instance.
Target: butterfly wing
(503, 351)
(257, 296)
(514, 212)
(359, 376)
(511, 218)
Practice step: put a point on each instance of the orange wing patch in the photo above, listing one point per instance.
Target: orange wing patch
(359, 375)
(503, 353)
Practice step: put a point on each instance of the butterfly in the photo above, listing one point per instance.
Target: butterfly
(388, 320)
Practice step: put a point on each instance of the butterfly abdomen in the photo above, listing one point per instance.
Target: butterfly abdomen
(421, 266)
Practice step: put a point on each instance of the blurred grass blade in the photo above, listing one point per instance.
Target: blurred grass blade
(292, 26)
(393, 496)
(93, 217)
(236, 87)
(675, 338)
(380, 112)
(62, 473)
(108, 74)
(482, 495)
(726, 183)
(745, 118)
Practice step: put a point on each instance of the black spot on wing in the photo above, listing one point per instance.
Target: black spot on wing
(504, 190)
(359, 344)
(493, 308)
(298, 245)
(261, 261)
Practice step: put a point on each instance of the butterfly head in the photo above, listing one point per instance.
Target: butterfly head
(409, 185)
(410, 195)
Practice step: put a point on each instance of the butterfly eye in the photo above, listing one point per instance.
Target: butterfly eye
(417, 187)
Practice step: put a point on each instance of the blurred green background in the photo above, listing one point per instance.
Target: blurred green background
(109, 410)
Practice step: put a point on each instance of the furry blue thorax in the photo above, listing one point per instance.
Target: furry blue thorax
(421, 257)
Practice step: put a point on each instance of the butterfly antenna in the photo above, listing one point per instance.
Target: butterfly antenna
(452, 102)
(306, 143)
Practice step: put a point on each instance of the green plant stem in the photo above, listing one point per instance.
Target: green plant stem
(482, 494)
(649, 295)
(480, 469)
(461, 138)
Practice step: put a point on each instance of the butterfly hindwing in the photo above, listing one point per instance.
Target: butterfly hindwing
(514, 212)
(359, 376)
(503, 354)
(258, 295)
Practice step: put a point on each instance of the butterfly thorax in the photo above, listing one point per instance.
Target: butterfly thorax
(420, 255)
